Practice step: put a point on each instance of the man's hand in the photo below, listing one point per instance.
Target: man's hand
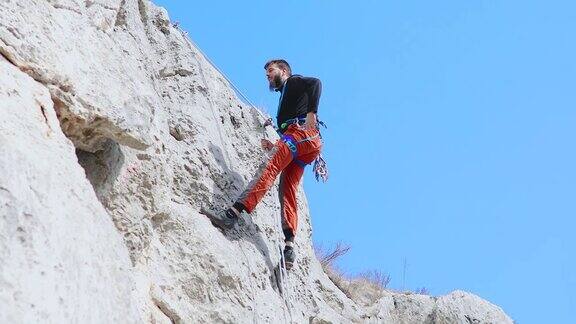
(310, 121)
(268, 122)
(266, 144)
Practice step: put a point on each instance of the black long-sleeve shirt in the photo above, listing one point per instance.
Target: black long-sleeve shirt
(299, 96)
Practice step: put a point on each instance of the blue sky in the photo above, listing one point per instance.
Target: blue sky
(450, 141)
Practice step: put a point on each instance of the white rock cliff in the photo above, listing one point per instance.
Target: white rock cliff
(114, 132)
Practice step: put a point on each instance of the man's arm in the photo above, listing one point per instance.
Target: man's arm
(310, 121)
(313, 90)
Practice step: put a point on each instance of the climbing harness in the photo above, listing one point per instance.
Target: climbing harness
(293, 147)
(320, 167)
(298, 120)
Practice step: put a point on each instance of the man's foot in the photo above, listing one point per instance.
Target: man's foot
(289, 256)
(224, 220)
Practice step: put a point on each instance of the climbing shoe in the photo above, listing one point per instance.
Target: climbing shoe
(289, 257)
(224, 220)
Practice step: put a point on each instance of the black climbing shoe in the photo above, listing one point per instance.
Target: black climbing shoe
(224, 220)
(289, 257)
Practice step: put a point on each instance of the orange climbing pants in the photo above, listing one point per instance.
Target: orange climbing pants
(290, 154)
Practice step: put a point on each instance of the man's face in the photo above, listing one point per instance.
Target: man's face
(274, 76)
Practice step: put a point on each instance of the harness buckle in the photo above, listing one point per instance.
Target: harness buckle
(291, 145)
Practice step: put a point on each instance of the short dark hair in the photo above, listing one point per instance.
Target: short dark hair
(280, 63)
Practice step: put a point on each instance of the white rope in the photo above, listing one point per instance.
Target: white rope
(255, 314)
(229, 160)
(282, 272)
(282, 269)
(245, 98)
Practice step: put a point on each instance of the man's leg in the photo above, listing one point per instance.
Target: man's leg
(287, 192)
(290, 179)
(264, 178)
(261, 182)
(288, 189)
(281, 158)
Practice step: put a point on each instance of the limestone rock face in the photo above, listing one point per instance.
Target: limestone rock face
(114, 132)
(61, 258)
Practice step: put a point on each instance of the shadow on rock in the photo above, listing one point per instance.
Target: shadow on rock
(227, 187)
(102, 167)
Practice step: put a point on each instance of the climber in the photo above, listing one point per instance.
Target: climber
(299, 145)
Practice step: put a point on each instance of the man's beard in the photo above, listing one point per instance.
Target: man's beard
(275, 83)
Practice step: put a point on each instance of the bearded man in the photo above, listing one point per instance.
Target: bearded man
(299, 145)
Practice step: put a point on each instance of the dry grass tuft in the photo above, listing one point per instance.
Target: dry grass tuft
(376, 277)
(328, 257)
(365, 288)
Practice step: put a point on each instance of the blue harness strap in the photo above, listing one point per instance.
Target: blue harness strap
(292, 146)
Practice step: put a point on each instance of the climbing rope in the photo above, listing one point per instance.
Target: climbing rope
(255, 314)
(284, 283)
(212, 109)
(268, 122)
(245, 98)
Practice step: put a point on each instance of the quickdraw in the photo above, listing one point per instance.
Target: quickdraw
(320, 169)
